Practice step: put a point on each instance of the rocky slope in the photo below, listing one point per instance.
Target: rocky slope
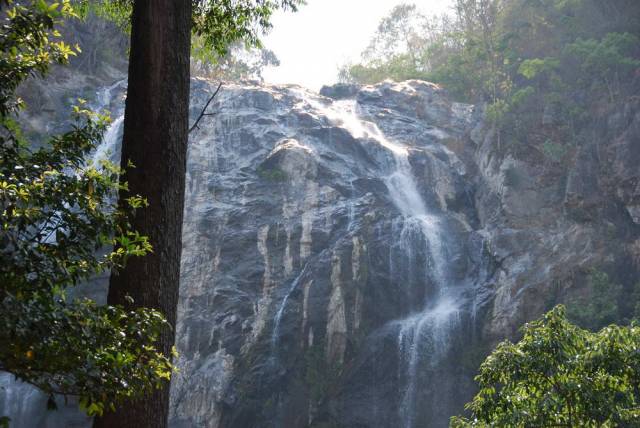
(350, 257)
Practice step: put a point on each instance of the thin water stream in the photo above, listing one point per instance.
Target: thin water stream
(21, 401)
(111, 139)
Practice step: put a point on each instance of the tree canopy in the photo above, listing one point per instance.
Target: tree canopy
(240, 62)
(559, 375)
(58, 220)
(219, 25)
(541, 67)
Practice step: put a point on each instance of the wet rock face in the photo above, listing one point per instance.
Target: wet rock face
(624, 158)
(350, 257)
(321, 290)
(301, 272)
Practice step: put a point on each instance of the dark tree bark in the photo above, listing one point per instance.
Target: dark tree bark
(155, 141)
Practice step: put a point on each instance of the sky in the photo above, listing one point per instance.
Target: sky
(324, 34)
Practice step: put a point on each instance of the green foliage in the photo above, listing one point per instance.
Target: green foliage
(497, 111)
(224, 22)
(57, 216)
(396, 50)
(522, 96)
(606, 60)
(531, 68)
(218, 25)
(398, 68)
(116, 11)
(559, 375)
(605, 303)
(240, 62)
(273, 174)
(28, 45)
(529, 61)
(226, 34)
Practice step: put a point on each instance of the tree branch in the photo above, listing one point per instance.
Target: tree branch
(203, 112)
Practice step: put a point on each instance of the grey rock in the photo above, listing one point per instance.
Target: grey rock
(309, 296)
(340, 91)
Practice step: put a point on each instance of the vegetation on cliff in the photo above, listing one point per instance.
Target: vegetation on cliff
(542, 67)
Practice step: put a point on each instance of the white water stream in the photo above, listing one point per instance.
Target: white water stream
(20, 401)
(275, 335)
(424, 334)
(112, 136)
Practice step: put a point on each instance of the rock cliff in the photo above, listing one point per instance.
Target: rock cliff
(351, 256)
(332, 266)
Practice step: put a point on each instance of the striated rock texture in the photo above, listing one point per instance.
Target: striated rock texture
(351, 256)
(550, 223)
(333, 273)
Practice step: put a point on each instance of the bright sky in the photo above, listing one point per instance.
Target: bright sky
(324, 34)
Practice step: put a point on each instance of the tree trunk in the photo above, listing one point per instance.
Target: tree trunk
(155, 141)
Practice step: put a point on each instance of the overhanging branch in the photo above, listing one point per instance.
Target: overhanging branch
(204, 113)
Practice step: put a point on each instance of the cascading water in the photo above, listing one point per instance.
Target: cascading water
(20, 401)
(109, 145)
(435, 321)
(437, 316)
(111, 140)
(279, 314)
(423, 334)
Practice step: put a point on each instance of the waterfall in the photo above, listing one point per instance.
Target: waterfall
(278, 318)
(423, 337)
(104, 96)
(438, 317)
(112, 136)
(20, 401)
(110, 142)
(434, 321)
